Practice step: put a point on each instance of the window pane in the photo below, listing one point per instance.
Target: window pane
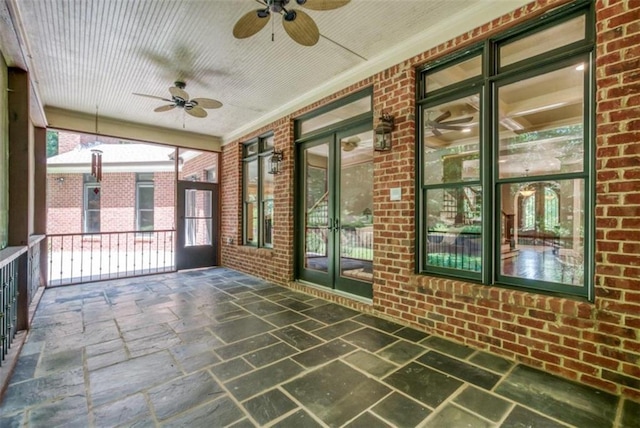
(211, 175)
(541, 124)
(454, 74)
(251, 149)
(93, 197)
(197, 203)
(145, 220)
(268, 223)
(454, 238)
(194, 165)
(543, 41)
(197, 231)
(451, 141)
(92, 221)
(267, 179)
(548, 246)
(145, 197)
(355, 108)
(267, 143)
(251, 181)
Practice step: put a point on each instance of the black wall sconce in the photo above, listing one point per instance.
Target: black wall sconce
(383, 132)
(275, 162)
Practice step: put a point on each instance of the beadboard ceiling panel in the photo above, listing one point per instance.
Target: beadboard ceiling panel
(88, 55)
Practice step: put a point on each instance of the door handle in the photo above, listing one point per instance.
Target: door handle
(330, 224)
(336, 225)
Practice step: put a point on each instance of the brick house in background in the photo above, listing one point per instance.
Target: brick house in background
(137, 191)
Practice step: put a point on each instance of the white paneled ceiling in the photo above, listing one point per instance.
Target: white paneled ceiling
(88, 53)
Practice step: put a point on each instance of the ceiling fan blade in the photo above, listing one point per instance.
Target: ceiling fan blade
(436, 132)
(454, 121)
(207, 103)
(436, 144)
(179, 93)
(324, 4)
(250, 24)
(196, 111)
(152, 96)
(443, 116)
(164, 108)
(451, 127)
(302, 28)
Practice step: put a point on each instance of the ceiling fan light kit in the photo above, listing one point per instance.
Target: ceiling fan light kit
(297, 23)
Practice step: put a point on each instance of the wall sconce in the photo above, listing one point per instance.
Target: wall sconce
(60, 180)
(275, 162)
(383, 132)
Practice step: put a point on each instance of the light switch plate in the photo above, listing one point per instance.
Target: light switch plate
(395, 194)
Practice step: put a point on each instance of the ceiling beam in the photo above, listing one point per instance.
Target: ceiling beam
(80, 122)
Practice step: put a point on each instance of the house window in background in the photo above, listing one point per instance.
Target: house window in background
(505, 170)
(257, 190)
(91, 201)
(144, 201)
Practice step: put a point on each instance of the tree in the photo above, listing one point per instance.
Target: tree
(52, 143)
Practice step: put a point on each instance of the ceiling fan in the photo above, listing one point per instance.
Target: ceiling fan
(180, 98)
(298, 25)
(350, 143)
(439, 123)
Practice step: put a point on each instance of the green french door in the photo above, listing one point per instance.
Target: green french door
(335, 211)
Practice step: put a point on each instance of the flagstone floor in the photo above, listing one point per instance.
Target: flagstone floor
(217, 348)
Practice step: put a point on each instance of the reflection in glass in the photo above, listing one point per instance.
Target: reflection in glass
(543, 41)
(145, 205)
(451, 141)
(251, 202)
(354, 108)
(453, 74)
(91, 207)
(454, 232)
(316, 207)
(356, 207)
(198, 213)
(544, 232)
(267, 203)
(541, 124)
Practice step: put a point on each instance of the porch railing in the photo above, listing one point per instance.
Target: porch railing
(76, 258)
(8, 297)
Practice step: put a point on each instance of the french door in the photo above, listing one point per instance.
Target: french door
(335, 211)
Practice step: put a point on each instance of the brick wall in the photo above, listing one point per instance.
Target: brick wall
(67, 141)
(117, 203)
(594, 343)
(198, 165)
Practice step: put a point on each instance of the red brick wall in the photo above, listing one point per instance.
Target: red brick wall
(594, 343)
(198, 165)
(118, 198)
(67, 141)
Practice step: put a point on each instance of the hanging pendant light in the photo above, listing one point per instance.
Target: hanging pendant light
(96, 164)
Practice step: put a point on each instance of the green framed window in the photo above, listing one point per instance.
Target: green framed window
(505, 184)
(258, 193)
